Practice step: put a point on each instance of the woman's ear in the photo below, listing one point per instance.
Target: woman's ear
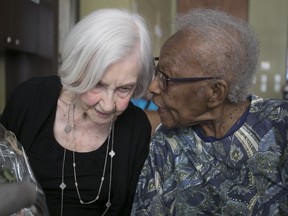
(218, 92)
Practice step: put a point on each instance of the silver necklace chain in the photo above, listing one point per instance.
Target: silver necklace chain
(110, 145)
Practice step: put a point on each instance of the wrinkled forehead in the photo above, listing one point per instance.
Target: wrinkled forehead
(182, 49)
(184, 43)
(176, 42)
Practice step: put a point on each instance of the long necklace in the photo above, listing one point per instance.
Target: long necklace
(110, 145)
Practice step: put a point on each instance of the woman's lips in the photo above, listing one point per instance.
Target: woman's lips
(102, 114)
(162, 110)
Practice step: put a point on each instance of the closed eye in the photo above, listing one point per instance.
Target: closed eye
(127, 88)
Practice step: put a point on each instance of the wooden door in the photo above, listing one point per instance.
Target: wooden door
(237, 8)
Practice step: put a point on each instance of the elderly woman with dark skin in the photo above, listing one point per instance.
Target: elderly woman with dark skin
(220, 150)
(85, 140)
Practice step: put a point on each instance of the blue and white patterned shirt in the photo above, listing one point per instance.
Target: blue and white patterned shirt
(243, 173)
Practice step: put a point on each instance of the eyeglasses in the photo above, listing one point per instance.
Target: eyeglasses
(164, 79)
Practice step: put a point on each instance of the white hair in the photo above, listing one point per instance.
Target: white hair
(230, 47)
(101, 39)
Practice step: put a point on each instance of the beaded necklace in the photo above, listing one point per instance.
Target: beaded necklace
(70, 127)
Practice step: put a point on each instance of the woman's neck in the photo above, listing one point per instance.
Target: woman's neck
(223, 118)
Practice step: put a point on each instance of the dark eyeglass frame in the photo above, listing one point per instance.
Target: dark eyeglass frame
(165, 79)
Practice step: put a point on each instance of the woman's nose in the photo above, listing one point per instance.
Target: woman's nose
(154, 87)
(108, 101)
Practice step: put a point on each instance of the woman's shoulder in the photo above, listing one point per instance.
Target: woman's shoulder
(33, 92)
(133, 111)
(40, 81)
(135, 118)
(259, 104)
(35, 86)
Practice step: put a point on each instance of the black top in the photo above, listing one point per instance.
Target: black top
(30, 114)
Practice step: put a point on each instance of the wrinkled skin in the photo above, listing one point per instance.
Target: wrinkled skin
(203, 103)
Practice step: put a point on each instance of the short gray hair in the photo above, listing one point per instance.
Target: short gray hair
(231, 48)
(100, 40)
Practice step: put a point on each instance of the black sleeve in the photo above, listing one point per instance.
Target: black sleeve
(133, 136)
(17, 106)
(28, 107)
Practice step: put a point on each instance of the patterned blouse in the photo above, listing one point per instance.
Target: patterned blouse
(243, 173)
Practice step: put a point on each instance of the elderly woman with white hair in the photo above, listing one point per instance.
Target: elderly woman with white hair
(85, 140)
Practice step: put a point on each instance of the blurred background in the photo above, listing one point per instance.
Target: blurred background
(32, 32)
